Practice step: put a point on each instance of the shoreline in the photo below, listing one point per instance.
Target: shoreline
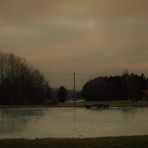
(82, 104)
(76, 138)
(2, 107)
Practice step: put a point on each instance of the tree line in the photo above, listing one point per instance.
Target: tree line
(121, 87)
(20, 83)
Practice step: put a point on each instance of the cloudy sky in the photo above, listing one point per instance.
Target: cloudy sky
(85, 36)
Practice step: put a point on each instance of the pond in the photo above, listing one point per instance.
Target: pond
(66, 122)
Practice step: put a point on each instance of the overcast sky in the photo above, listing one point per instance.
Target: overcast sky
(85, 36)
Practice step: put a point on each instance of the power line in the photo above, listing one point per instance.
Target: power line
(85, 75)
(61, 73)
(57, 73)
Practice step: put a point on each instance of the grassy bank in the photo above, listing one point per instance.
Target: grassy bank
(110, 103)
(83, 103)
(109, 142)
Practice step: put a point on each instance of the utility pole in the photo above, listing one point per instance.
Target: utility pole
(74, 93)
(74, 88)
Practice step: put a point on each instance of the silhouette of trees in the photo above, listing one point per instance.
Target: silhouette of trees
(19, 83)
(115, 87)
(62, 94)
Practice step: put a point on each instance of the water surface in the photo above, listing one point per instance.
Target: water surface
(65, 122)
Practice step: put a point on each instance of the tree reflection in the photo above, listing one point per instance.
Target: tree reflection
(16, 120)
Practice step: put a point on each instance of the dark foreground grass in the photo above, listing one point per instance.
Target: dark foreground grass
(109, 142)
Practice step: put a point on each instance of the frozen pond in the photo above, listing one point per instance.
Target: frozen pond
(62, 122)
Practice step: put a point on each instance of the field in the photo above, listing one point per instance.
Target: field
(110, 103)
(108, 142)
(83, 103)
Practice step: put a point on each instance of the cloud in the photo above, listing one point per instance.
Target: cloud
(86, 36)
(25, 11)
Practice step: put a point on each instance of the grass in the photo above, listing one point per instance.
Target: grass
(108, 142)
(83, 103)
(124, 103)
(110, 103)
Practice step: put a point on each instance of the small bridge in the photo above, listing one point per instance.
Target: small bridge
(97, 106)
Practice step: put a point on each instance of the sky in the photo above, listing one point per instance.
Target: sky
(95, 37)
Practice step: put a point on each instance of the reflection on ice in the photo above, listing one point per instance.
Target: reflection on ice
(59, 122)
